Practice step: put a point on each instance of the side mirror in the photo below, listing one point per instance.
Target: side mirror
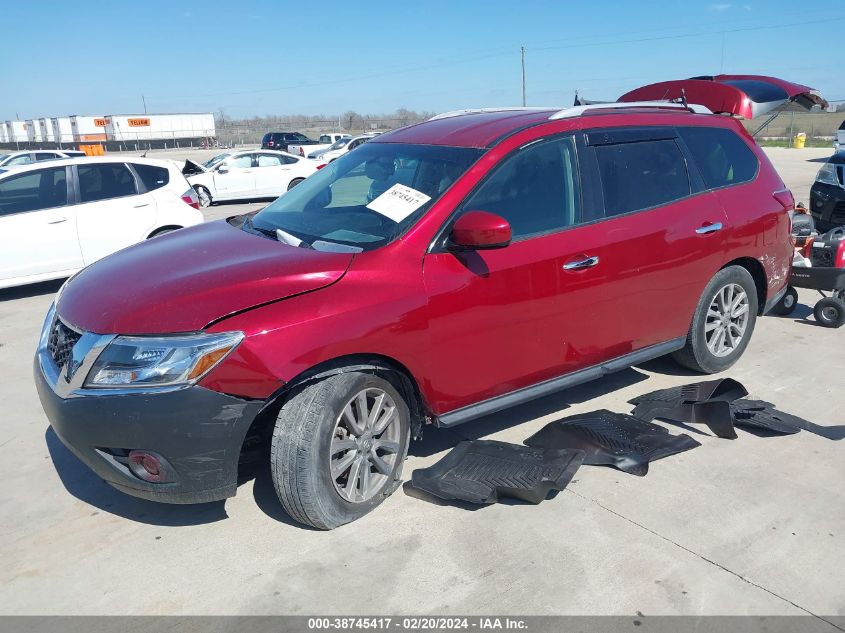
(223, 169)
(480, 230)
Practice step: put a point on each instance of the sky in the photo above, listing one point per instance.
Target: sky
(256, 58)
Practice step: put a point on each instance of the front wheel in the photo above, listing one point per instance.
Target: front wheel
(723, 322)
(338, 448)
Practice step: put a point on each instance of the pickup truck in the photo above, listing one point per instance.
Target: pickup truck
(324, 142)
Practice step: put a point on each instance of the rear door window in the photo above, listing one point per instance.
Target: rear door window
(535, 190)
(268, 160)
(102, 182)
(722, 157)
(33, 190)
(641, 175)
(151, 176)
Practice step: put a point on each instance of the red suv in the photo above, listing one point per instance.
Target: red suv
(434, 275)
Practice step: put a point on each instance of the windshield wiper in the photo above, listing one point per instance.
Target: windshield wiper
(292, 240)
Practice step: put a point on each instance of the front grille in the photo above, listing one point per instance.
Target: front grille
(838, 213)
(61, 342)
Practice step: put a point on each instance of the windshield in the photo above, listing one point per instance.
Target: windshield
(209, 164)
(368, 197)
(297, 136)
(341, 143)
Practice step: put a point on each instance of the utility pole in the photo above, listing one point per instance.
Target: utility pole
(522, 55)
(144, 101)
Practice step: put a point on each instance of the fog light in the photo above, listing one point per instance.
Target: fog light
(147, 466)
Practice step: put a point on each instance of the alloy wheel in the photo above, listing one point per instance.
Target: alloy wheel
(365, 445)
(727, 320)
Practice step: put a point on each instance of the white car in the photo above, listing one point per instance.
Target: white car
(243, 175)
(340, 148)
(13, 159)
(59, 216)
(324, 142)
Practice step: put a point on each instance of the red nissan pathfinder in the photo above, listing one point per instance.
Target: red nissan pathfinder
(436, 274)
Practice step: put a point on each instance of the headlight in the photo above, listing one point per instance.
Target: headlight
(159, 361)
(827, 175)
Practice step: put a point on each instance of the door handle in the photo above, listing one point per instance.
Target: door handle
(58, 221)
(582, 263)
(140, 206)
(709, 228)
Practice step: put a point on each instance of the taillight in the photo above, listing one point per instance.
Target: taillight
(190, 198)
(321, 166)
(270, 143)
(301, 152)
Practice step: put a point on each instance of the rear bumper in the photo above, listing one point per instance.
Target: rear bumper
(197, 432)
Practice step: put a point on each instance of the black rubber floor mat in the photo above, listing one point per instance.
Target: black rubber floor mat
(705, 403)
(612, 439)
(483, 471)
(757, 414)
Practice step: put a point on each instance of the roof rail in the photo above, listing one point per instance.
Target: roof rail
(568, 113)
(448, 115)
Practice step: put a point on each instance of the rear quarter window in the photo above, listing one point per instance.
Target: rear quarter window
(723, 159)
(151, 176)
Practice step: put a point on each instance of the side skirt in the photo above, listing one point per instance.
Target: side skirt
(526, 394)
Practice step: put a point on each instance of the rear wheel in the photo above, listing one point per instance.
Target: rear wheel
(204, 196)
(723, 322)
(830, 312)
(338, 448)
(293, 183)
(787, 303)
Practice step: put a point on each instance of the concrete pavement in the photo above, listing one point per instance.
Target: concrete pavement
(751, 526)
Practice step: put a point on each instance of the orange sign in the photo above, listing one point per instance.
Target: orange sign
(138, 122)
(99, 123)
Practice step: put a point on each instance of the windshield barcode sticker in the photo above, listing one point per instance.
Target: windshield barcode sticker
(398, 202)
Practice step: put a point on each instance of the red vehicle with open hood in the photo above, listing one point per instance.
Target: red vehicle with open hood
(436, 274)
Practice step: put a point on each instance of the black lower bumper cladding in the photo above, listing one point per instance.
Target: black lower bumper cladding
(483, 471)
(612, 439)
(720, 405)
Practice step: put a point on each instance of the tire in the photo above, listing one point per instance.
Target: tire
(315, 418)
(702, 344)
(293, 183)
(830, 312)
(204, 197)
(787, 303)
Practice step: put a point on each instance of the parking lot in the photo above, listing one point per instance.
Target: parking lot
(750, 526)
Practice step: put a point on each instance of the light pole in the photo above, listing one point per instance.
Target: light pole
(522, 55)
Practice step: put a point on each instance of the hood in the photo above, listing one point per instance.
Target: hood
(182, 281)
(191, 168)
(745, 96)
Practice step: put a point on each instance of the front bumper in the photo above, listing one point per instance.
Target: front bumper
(198, 433)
